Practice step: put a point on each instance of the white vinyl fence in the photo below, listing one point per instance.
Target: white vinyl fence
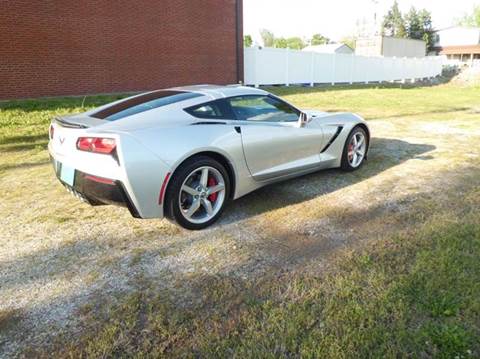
(270, 66)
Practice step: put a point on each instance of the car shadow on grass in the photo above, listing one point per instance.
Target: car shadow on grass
(384, 153)
(224, 302)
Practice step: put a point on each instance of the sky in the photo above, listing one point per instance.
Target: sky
(337, 18)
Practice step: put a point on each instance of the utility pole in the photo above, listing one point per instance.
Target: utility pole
(375, 24)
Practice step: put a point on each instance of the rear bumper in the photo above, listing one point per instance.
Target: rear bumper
(97, 190)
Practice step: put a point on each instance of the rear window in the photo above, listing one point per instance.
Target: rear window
(143, 103)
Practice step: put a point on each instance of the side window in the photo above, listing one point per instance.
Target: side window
(263, 108)
(210, 110)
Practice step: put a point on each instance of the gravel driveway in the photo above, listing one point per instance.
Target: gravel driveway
(58, 255)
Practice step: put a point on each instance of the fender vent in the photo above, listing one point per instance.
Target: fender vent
(334, 137)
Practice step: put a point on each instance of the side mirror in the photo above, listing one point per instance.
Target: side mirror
(303, 119)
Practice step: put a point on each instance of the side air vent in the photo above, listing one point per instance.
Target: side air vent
(334, 137)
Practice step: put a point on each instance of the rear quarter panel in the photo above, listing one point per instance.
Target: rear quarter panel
(175, 144)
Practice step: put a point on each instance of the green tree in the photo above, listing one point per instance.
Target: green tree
(319, 39)
(472, 19)
(267, 37)
(247, 41)
(280, 42)
(427, 27)
(418, 26)
(295, 43)
(393, 23)
(413, 25)
(269, 40)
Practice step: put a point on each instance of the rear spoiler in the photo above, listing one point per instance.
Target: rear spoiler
(64, 123)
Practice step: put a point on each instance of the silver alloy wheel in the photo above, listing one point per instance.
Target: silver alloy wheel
(202, 194)
(356, 149)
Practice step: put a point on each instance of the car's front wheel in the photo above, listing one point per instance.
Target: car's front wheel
(355, 149)
(197, 193)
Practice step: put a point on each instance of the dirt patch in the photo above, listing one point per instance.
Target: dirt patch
(59, 256)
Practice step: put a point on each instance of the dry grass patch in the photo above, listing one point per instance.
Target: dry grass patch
(380, 262)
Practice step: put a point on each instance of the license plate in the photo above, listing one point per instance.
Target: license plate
(67, 174)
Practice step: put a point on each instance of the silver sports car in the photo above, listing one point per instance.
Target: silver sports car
(183, 153)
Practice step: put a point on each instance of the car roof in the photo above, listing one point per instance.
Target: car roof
(218, 91)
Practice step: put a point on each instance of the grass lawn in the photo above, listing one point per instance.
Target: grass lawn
(383, 262)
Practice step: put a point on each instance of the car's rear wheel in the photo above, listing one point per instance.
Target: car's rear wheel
(355, 149)
(197, 193)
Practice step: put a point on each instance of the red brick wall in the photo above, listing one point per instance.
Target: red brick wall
(72, 47)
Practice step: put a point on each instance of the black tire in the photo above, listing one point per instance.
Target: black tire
(172, 206)
(345, 165)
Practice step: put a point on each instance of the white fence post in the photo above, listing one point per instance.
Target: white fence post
(393, 68)
(404, 74)
(287, 67)
(413, 77)
(352, 69)
(256, 64)
(334, 60)
(312, 69)
(383, 72)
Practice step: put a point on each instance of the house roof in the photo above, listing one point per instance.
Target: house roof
(458, 27)
(456, 50)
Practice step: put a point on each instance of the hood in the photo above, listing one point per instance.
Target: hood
(316, 113)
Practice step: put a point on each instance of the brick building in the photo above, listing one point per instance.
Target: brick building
(67, 47)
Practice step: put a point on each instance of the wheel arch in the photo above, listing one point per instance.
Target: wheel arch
(222, 159)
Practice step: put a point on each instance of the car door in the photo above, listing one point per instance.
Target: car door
(274, 145)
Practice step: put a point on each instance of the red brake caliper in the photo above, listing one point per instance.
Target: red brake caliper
(212, 182)
(350, 149)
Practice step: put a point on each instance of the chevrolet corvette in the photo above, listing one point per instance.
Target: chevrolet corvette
(183, 153)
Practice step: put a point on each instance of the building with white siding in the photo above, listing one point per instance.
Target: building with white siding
(390, 47)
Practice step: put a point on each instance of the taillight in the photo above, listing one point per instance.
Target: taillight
(51, 131)
(96, 144)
